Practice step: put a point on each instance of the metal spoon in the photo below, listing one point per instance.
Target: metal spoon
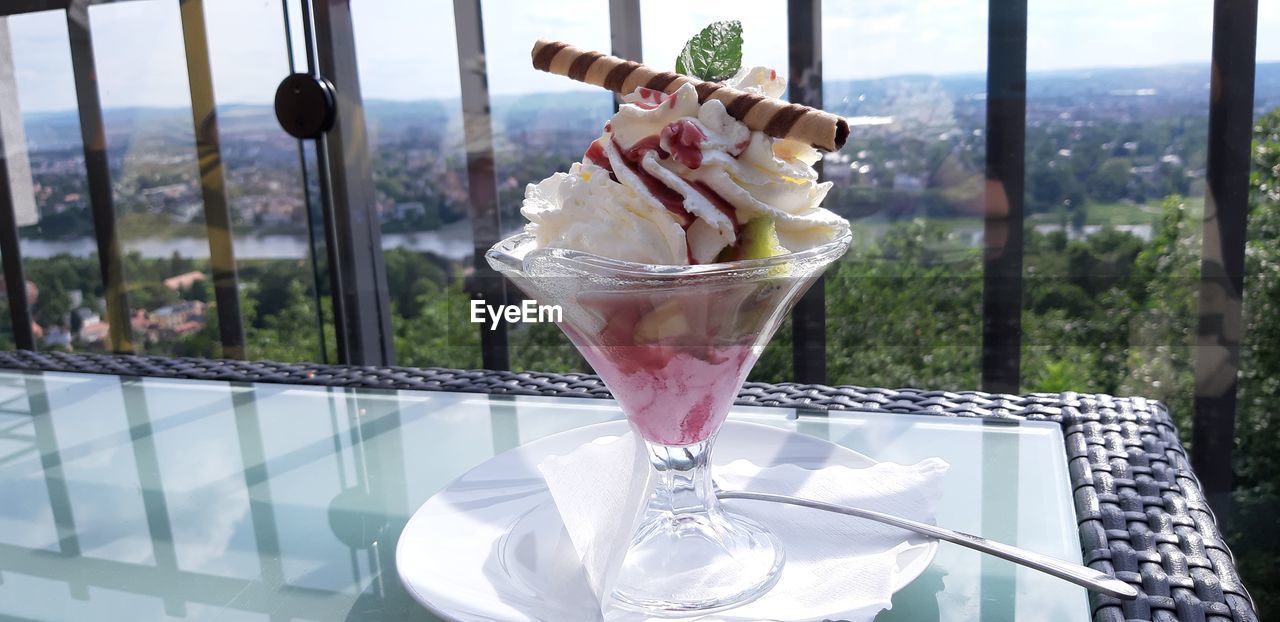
(1075, 573)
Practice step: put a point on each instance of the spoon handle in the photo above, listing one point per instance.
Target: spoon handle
(1075, 573)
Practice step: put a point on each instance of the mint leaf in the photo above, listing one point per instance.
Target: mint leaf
(713, 54)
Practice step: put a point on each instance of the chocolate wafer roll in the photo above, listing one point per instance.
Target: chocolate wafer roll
(774, 117)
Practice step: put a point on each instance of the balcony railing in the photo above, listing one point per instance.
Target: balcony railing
(353, 249)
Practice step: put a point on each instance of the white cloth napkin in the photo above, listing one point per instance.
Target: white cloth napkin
(835, 564)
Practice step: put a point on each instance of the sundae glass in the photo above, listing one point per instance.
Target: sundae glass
(674, 344)
(674, 248)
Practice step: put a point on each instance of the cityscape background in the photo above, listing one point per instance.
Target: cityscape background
(1117, 119)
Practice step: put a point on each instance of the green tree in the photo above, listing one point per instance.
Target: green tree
(1077, 311)
(440, 334)
(411, 275)
(6, 328)
(1111, 181)
(1167, 276)
(905, 311)
(150, 295)
(1052, 184)
(287, 334)
(1254, 538)
(54, 305)
(200, 291)
(179, 264)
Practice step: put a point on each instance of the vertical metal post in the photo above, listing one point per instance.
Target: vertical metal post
(486, 221)
(366, 336)
(804, 59)
(315, 209)
(217, 212)
(1002, 257)
(17, 196)
(93, 135)
(624, 34)
(1226, 208)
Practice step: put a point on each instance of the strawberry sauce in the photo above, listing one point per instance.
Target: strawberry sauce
(680, 140)
(596, 155)
(684, 137)
(668, 197)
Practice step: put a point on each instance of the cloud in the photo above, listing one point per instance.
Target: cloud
(510, 29)
(42, 61)
(668, 24)
(406, 48)
(875, 39)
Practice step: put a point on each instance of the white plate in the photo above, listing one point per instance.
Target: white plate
(490, 546)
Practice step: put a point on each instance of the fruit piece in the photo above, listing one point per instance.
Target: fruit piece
(620, 328)
(759, 240)
(683, 138)
(664, 322)
(647, 358)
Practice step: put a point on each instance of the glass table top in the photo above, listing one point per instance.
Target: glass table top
(158, 499)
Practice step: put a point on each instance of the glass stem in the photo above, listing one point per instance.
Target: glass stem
(684, 484)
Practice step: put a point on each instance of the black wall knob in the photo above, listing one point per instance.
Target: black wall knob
(305, 105)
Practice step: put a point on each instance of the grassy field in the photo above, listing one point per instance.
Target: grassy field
(1112, 214)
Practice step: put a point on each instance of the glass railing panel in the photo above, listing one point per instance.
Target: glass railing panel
(58, 250)
(279, 287)
(154, 174)
(904, 307)
(408, 59)
(541, 124)
(1115, 161)
(665, 26)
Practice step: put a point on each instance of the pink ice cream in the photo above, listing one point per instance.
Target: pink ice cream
(681, 398)
(674, 358)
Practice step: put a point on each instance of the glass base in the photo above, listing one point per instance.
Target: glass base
(687, 564)
(689, 556)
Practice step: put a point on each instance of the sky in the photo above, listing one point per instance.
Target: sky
(407, 49)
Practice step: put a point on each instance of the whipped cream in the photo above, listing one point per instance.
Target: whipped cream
(672, 181)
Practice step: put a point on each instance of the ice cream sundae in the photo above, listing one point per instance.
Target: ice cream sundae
(675, 247)
(675, 181)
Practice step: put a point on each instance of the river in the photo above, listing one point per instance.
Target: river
(452, 241)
